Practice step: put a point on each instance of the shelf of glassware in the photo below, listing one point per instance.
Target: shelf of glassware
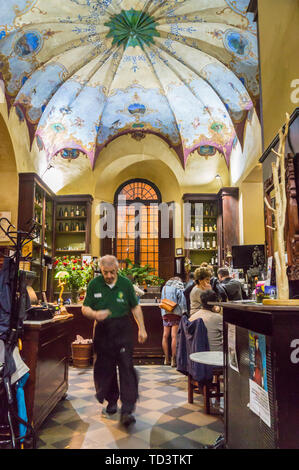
(71, 226)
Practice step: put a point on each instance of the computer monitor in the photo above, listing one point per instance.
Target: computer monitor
(242, 255)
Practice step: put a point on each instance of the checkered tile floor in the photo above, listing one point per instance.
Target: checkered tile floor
(164, 419)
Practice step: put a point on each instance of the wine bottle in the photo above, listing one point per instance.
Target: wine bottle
(72, 212)
(208, 244)
(216, 260)
(83, 212)
(210, 226)
(206, 228)
(60, 213)
(66, 214)
(72, 227)
(203, 245)
(82, 226)
(60, 227)
(212, 261)
(214, 242)
(215, 228)
(77, 227)
(66, 227)
(77, 212)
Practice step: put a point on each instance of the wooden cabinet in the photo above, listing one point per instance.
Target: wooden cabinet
(51, 214)
(72, 224)
(46, 348)
(211, 226)
(36, 203)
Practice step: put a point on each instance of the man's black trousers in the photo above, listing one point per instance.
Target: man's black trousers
(113, 348)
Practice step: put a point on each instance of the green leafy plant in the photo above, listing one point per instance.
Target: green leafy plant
(141, 274)
(76, 272)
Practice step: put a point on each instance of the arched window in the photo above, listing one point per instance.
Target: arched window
(137, 236)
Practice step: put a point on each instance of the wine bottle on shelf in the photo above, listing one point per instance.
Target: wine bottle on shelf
(212, 261)
(60, 212)
(208, 244)
(66, 213)
(66, 227)
(214, 242)
(203, 244)
(77, 228)
(210, 226)
(216, 260)
(83, 212)
(212, 210)
(201, 227)
(72, 227)
(215, 228)
(60, 227)
(206, 228)
(82, 226)
(77, 211)
(72, 212)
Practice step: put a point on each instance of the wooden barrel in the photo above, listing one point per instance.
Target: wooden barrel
(82, 354)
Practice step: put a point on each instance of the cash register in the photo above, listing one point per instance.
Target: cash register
(39, 311)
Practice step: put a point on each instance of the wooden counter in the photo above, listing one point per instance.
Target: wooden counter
(46, 353)
(277, 329)
(149, 353)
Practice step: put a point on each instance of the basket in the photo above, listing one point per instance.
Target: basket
(81, 354)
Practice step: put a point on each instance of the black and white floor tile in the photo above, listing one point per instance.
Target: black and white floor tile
(164, 418)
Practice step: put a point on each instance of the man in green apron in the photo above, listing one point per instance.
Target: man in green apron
(109, 300)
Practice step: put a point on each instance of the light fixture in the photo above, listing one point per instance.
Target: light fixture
(218, 178)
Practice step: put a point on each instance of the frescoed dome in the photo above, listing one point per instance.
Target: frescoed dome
(83, 72)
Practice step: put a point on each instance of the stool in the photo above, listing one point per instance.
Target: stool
(208, 389)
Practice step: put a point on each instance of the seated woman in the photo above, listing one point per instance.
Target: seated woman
(202, 278)
(213, 321)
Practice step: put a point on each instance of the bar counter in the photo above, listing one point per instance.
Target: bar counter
(261, 413)
(46, 352)
(148, 353)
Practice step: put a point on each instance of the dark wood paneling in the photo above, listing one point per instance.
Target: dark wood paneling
(46, 350)
(167, 247)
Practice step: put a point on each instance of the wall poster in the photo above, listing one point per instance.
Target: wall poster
(258, 388)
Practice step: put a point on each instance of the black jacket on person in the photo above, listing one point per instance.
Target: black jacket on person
(218, 288)
(187, 293)
(233, 289)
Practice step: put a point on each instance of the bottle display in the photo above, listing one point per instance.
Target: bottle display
(77, 211)
(72, 212)
(66, 213)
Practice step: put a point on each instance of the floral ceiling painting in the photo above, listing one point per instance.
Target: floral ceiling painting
(83, 72)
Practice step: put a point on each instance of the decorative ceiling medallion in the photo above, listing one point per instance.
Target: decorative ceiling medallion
(138, 135)
(132, 28)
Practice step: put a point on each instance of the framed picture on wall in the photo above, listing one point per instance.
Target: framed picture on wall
(4, 224)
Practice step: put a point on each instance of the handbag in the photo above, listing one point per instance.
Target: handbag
(167, 305)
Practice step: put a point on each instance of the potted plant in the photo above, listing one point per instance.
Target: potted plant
(142, 275)
(74, 272)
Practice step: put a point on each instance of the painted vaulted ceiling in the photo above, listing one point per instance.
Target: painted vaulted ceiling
(82, 72)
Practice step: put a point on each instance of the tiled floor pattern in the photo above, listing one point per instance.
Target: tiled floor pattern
(164, 419)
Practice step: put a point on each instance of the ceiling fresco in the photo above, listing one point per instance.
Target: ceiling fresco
(83, 72)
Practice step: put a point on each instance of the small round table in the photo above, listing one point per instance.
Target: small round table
(211, 358)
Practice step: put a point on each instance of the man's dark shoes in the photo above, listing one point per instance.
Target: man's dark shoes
(127, 418)
(111, 409)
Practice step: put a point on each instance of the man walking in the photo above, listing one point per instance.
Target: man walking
(109, 300)
(232, 287)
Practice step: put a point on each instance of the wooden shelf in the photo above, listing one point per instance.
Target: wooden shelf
(70, 251)
(200, 250)
(70, 232)
(79, 217)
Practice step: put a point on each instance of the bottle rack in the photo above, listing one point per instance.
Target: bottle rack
(72, 225)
